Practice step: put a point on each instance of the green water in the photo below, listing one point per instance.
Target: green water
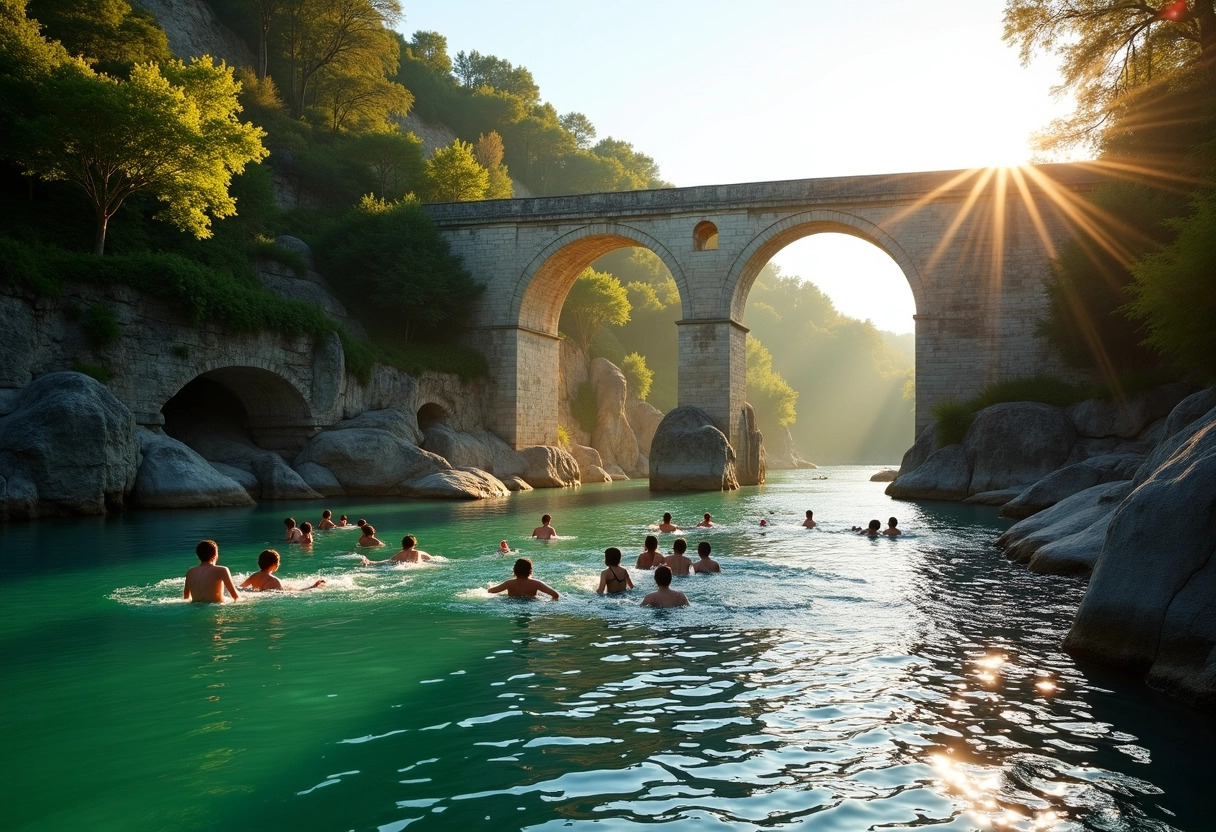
(823, 680)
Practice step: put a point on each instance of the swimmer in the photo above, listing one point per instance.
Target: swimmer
(264, 579)
(205, 583)
(343, 523)
(523, 585)
(664, 596)
(503, 548)
(650, 557)
(616, 577)
(293, 534)
(368, 538)
(763, 522)
(809, 522)
(327, 522)
(408, 553)
(707, 523)
(871, 531)
(677, 561)
(667, 526)
(306, 534)
(706, 563)
(544, 531)
(361, 523)
(892, 528)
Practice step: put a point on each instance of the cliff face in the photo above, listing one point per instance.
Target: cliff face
(193, 30)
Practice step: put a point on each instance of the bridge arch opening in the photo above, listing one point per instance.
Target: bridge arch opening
(705, 236)
(830, 311)
(240, 403)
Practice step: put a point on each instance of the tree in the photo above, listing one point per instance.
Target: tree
(489, 152)
(395, 158)
(431, 48)
(580, 127)
(453, 175)
(175, 135)
(474, 69)
(359, 100)
(1114, 55)
(109, 34)
(642, 170)
(595, 299)
(638, 376)
(772, 397)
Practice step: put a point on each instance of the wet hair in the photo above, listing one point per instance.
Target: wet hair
(306, 527)
(875, 525)
(662, 576)
(343, 518)
(892, 522)
(679, 546)
(544, 518)
(522, 568)
(809, 514)
(703, 548)
(652, 543)
(667, 517)
(368, 530)
(612, 556)
(207, 550)
(290, 522)
(408, 541)
(268, 558)
(325, 515)
(361, 523)
(708, 515)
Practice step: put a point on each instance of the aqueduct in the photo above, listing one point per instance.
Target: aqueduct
(974, 245)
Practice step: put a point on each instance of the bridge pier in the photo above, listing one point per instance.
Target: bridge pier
(524, 365)
(713, 371)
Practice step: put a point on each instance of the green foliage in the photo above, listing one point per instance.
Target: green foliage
(395, 159)
(398, 274)
(951, 420)
(584, 407)
(474, 70)
(453, 175)
(270, 250)
(98, 371)
(100, 326)
(775, 402)
(1173, 293)
(1044, 389)
(563, 437)
(109, 34)
(637, 375)
(595, 299)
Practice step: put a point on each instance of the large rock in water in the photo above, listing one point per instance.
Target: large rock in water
(460, 484)
(173, 475)
(68, 447)
(1016, 444)
(690, 454)
(1149, 606)
(942, 475)
(644, 418)
(369, 461)
(1073, 514)
(750, 463)
(613, 436)
(549, 467)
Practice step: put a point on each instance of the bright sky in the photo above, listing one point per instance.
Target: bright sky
(721, 91)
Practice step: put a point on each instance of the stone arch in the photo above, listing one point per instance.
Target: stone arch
(545, 282)
(705, 236)
(431, 414)
(777, 236)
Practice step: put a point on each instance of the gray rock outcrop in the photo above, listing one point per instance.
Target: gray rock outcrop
(1017, 443)
(1072, 514)
(549, 467)
(459, 483)
(173, 475)
(751, 465)
(942, 475)
(690, 454)
(1070, 480)
(67, 446)
(370, 462)
(613, 436)
(644, 418)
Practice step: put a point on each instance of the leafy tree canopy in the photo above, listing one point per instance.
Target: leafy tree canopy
(595, 299)
(453, 175)
(109, 34)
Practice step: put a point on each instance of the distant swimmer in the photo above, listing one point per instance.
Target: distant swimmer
(523, 585)
(706, 563)
(871, 530)
(677, 561)
(504, 549)
(264, 579)
(892, 529)
(809, 522)
(368, 538)
(408, 553)
(293, 534)
(667, 526)
(544, 531)
(343, 523)
(707, 523)
(664, 595)
(327, 521)
(650, 557)
(763, 522)
(306, 534)
(205, 583)
(616, 577)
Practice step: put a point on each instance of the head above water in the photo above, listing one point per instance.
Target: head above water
(306, 527)
(667, 517)
(545, 519)
(522, 568)
(369, 530)
(268, 558)
(679, 546)
(290, 522)
(708, 517)
(810, 515)
(342, 518)
(652, 543)
(325, 515)
(207, 550)
(875, 525)
(892, 522)
(409, 542)
(361, 523)
(703, 548)
(612, 556)
(662, 576)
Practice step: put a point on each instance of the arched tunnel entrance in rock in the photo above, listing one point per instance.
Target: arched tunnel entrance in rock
(431, 415)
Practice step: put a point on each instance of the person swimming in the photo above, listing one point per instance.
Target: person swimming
(523, 585)
(871, 530)
(616, 577)
(408, 553)
(664, 595)
(650, 557)
(368, 538)
(677, 561)
(264, 579)
(293, 534)
(667, 526)
(545, 530)
(809, 522)
(892, 528)
(327, 521)
(707, 522)
(706, 563)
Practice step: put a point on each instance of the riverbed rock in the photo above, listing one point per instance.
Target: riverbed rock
(1180, 426)
(278, 481)
(174, 475)
(921, 450)
(690, 454)
(644, 418)
(371, 462)
(943, 475)
(615, 472)
(586, 457)
(247, 479)
(751, 462)
(320, 479)
(1127, 418)
(993, 498)
(1149, 604)
(399, 423)
(515, 484)
(549, 467)
(70, 441)
(613, 436)
(1017, 443)
(1074, 554)
(459, 484)
(1071, 479)
(1069, 516)
(885, 475)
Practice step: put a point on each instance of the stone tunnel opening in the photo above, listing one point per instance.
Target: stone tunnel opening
(204, 406)
(431, 415)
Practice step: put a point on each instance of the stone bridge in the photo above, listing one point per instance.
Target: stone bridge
(974, 245)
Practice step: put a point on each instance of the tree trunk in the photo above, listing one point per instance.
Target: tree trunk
(99, 244)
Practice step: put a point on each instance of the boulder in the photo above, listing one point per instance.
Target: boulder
(993, 498)
(751, 466)
(1017, 443)
(371, 462)
(70, 441)
(594, 473)
(320, 479)
(516, 484)
(921, 450)
(274, 479)
(8, 399)
(1073, 554)
(1069, 516)
(1183, 422)
(616, 473)
(1071, 479)
(461, 449)
(1126, 418)
(549, 467)
(1149, 605)
(885, 475)
(173, 475)
(278, 481)
(942, 476)
(459, 484)
(613, 436)
(397, 422)
(690, 454)
(247, 479)
(644, 418)
(586, 457)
